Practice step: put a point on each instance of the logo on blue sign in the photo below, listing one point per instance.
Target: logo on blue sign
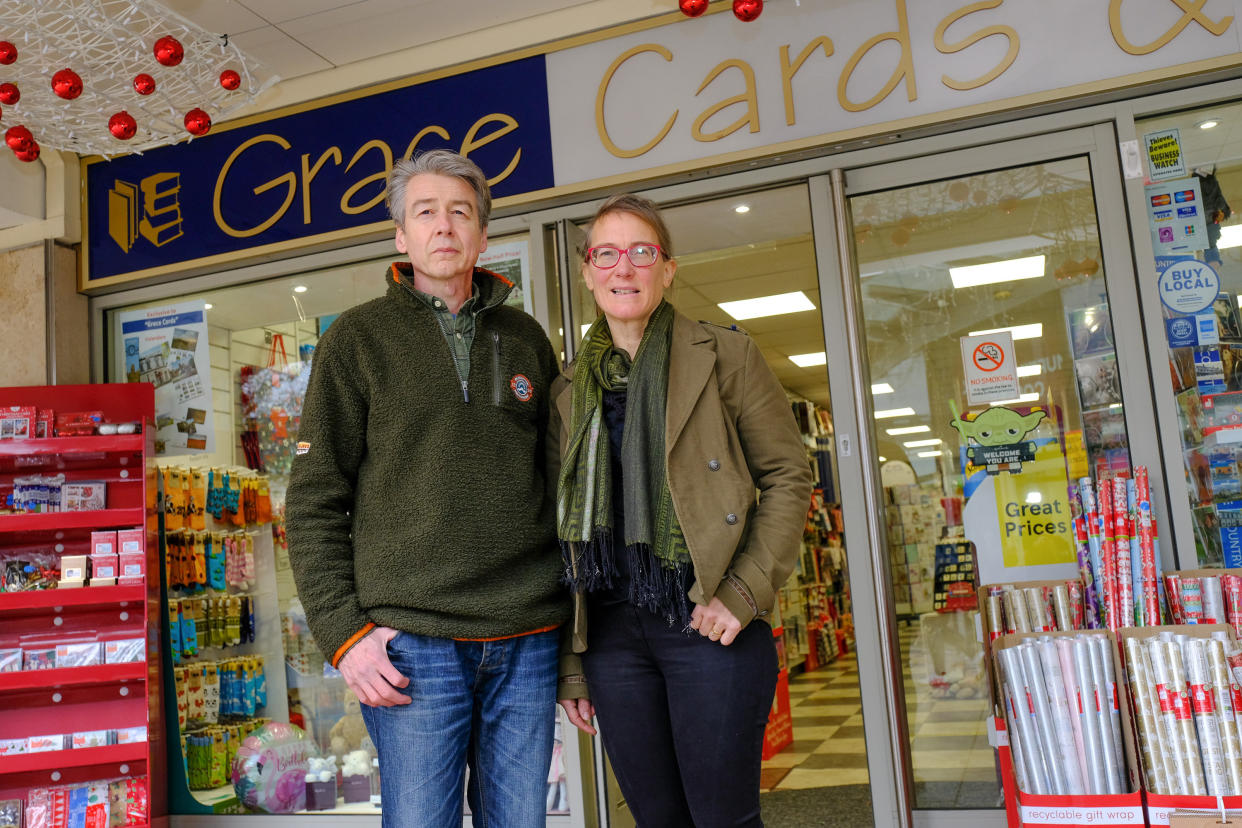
(1186, 212)
(1184, 195)
(1162, 215)
(1181, 331)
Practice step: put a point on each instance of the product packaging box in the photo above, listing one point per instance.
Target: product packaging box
(128, 735)
(104, 566)
(102, 582)
(1024, 808)
(38, 658)
(90, 738)
(131, 540)
(124, 650)
(131, 567)
(42, 744)
(73, 571)
(17, 422)
(84, 654)
(45, 424)
(11, 747)
(10, 659)
(83, 496)
(77, 423)
(103, 544)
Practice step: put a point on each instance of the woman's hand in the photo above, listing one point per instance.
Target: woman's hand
(580, 713)
(714, 621)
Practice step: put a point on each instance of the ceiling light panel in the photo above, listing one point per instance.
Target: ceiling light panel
(1033, 331)
(760, 306)
(809, 360)
(889, 413)
(920, 429)
(1010, 270)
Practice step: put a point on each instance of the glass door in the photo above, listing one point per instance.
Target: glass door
(990, 314)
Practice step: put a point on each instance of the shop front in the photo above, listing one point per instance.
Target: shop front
(970, 261)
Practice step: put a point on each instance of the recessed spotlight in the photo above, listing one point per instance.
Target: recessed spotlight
(1208, 124)
(299, 288)
(742, 208)
(208, 306)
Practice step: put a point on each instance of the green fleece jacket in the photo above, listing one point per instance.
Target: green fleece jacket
(417, 503)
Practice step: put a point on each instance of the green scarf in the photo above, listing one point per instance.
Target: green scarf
(654, 544)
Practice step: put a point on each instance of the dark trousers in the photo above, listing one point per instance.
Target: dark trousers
(681, 717)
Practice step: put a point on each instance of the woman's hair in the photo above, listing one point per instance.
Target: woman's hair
(641, 208)
(438, 162)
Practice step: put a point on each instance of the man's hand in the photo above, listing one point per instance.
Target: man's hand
(580, 713)
(369, 672)
(714, 621)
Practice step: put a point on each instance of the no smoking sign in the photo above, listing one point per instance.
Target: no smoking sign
(989, 369)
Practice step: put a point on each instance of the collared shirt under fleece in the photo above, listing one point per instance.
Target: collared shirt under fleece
(419, 498)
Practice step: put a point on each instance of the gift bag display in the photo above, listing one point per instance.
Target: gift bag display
(271, 399)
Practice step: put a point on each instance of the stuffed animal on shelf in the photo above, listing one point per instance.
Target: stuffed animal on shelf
(350, 731)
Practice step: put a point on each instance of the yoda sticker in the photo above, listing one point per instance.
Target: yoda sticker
(996, 439)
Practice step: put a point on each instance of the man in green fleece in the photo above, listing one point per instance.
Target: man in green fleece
(421, 515)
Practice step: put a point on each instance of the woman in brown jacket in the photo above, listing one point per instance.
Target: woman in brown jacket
(667, 427)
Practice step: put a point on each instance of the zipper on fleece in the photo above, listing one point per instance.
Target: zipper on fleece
(495, 367)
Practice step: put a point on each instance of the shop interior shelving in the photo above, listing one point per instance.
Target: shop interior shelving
(67, 700)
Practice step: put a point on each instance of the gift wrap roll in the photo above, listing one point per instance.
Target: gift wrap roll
(1089, 719)
(1147, 717)
(1044, 723)
(1067, 748)
(1033, 756)
(1188, 742)
(1207, 722)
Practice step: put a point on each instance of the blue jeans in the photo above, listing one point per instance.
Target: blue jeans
(487, 704)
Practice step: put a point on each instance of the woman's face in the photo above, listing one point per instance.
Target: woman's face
(626, 293)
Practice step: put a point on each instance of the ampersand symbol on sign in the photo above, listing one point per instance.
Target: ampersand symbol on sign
(1192, 12)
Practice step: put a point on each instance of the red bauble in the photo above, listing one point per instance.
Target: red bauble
(230, 80)
(67, 84)
(197, 122)
(9, 93)
(31, 153)
(144, 84)
(8, 53)
(168, 51)
(692, 8)
(747, 10)
(122, 125)
(18, 138)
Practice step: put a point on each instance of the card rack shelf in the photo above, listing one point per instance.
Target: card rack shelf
(97, 697)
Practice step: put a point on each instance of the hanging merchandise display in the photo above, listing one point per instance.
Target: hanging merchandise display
(104, 58)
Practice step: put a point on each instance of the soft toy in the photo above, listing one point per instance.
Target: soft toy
(321, 783)
(350, 731)
(356, 776)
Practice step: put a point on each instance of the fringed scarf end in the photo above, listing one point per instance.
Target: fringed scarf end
(589, 565)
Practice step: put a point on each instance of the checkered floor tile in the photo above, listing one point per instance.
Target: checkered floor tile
(948, 735)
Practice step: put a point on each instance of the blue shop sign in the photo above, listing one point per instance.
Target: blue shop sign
(283, 182)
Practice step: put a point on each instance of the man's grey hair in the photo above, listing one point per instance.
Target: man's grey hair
(438, 162)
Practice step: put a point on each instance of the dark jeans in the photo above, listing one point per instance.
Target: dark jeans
(681, 717)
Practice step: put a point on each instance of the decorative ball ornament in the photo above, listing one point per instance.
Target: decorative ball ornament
(747, 10)
(122, 125)
(230, 80)
(8, 53)
(197, 122)
(29, 154)
(144, 84)
(18, 138)
(9, 93)
(168, 51)
(692, 8)
(67, 84)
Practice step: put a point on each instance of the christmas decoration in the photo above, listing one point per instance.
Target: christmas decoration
(230, 80)
(197, 122)
(692, 8)
(747, 10)
(31, 153)
(169, 51)
(122, 125)
(9, 94)
(18, 138)
(110, 45)
(67, 84)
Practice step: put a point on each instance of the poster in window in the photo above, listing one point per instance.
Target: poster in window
(511, 259)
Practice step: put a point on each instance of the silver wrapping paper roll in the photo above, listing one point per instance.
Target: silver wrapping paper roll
(1061, 607)
(1207, 722)
(1065, 653)
(1035, 684)
(1092, 740)
(1033, 755)
(1176, 758)
(1147, 717)
(1110, 721)
(1067, 749)
(1213, 601)
(1189, 743)
(1230, 737)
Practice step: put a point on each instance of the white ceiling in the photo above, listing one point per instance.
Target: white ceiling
(298, 37)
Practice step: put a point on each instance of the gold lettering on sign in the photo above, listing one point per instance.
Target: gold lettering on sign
(788, 70)
(423, 133)
(948, 48)
(380, 176)
(750, 97)
(905, 66)
(602, 128)
(473, 142)
(1192, 12)
(288, 178)
(309, 173)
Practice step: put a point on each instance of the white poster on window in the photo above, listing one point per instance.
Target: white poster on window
(511, 259)
(167, 347)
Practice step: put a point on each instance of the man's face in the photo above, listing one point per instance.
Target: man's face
(440, 232)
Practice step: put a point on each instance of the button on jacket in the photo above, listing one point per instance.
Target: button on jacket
(729, 430)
